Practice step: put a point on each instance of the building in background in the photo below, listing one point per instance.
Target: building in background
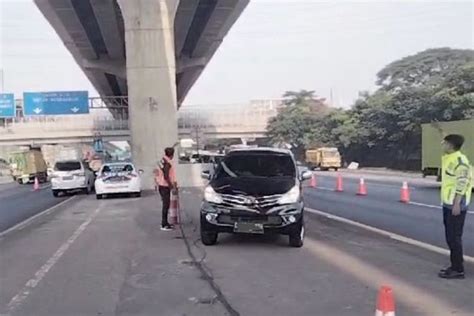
(255, 113)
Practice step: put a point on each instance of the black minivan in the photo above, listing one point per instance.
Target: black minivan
(254, 191)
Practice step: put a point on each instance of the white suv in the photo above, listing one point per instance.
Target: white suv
(72, 175)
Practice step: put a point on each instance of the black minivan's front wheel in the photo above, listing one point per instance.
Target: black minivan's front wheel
(208, 238)
(296, 237)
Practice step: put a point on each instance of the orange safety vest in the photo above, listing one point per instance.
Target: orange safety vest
(159, 173)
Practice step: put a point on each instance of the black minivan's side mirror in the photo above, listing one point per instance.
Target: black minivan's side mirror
(206, 174)
(306, 175)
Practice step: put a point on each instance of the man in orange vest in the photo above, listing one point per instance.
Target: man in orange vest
(165, 179)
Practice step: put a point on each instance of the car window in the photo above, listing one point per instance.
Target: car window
(117, 168)
(256, 165)
(68, 166)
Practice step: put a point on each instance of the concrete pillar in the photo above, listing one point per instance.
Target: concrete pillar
(151, 73)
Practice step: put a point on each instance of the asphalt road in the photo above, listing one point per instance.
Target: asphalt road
(20, 202)
(420, 220)
(109, 257)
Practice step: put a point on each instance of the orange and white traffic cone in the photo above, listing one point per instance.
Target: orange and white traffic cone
(339, 187)
(36, 184)
(173, 214)
(313, 182)
(405, 193)
(362, 187)
(385, 302)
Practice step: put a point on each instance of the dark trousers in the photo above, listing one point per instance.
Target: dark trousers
(453, 227)
(165, 193)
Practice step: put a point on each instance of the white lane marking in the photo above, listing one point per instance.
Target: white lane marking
(374, 182)
(18, 299)
(438, 207)
(388, 234)
(324, 189)
(31, 219)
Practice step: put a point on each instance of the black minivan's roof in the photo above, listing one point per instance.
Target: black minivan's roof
(261, 150)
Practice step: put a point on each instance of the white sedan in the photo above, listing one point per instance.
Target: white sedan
(118, 178)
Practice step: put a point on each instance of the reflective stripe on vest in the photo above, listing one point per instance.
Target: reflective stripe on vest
(456, 170)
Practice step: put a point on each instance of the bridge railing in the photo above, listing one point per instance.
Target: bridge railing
(111, 114)
(67, 124)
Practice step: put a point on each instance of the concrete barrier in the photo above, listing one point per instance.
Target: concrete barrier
(189, 175)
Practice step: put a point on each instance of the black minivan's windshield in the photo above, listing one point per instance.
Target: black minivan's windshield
(256, 165)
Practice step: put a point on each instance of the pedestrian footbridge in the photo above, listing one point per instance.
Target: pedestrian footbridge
(79, 129)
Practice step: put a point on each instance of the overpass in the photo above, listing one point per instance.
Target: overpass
(84, 130)
(244, 121)
(151, 51)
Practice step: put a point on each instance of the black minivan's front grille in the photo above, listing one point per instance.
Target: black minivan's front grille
(257, 219)
(246, 201)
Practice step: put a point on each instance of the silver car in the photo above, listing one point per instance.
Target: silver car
(72, 175)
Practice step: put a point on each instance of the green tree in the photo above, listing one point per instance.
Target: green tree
(295, 123)
(428, 68)
(434, 85)
(296, 98)
(384, 128)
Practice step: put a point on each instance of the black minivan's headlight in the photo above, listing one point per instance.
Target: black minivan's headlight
(291, 196)
(212, 196)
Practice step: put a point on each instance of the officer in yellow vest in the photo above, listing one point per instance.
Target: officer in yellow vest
(456, 190)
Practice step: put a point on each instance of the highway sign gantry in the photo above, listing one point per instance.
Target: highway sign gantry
(56, 103)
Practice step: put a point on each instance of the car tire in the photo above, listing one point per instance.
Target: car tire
(56, 193)
(296, 237)
(208, 238)
(98, 196)
(336, 169)
(138, 194)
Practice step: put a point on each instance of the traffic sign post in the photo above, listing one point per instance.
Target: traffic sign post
(56, 103)
(7, 105)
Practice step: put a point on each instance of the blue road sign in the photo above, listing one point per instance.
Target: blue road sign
(56, 103)
(7, 105)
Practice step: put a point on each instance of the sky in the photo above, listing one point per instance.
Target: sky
(275, 46)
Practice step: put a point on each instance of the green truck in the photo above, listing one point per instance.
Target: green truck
(25, 166)
(432, 135)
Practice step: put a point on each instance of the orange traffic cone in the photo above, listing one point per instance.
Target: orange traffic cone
(385, 302)
(362, 187)
(313, 182)
(36, 184)
(339, 187)
(405, 193)
(173, 214)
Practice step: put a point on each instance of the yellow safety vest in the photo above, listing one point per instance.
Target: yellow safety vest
(456, 179)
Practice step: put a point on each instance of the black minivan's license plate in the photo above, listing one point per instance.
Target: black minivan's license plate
(248, 228)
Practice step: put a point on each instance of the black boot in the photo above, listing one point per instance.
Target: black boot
(451, 274)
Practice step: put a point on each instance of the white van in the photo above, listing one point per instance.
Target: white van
(72, 175)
